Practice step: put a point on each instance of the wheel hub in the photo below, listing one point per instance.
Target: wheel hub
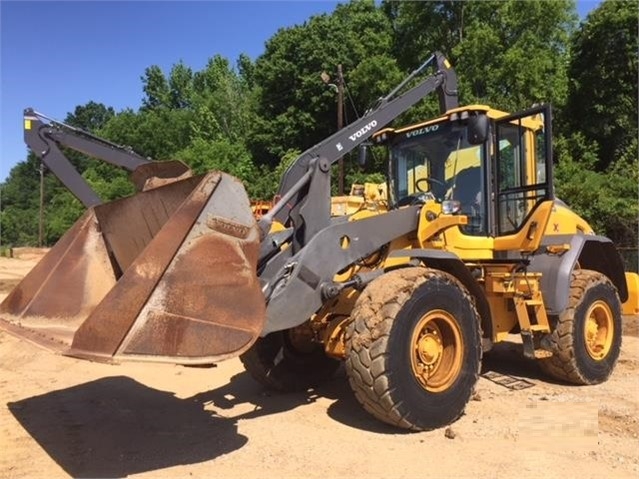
(430, 348)
(437, 351)
(598, 330)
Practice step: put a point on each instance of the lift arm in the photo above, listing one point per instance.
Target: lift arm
(305, 187)
(45, 139)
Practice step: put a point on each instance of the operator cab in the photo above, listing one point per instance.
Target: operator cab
(469, 156)
(436, 161)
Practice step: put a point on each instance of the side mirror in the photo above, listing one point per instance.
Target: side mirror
(477, 129)
(362, 154)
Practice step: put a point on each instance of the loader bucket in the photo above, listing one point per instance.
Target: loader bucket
(166, 275)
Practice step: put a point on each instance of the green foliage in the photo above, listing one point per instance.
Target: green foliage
(90, 117)
(157, 133)
(598, 170)
(361, 177)
(296, 108)
(156, 88)
(180, 86)
(507, 53)
(61, 211)
(608, 202)
(223, 101)
(603, 79)
(108, 182)
(20, 204)
(206, 155)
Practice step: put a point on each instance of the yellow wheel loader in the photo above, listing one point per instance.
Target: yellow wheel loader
(469, 247)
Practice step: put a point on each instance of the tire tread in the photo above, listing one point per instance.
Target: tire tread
(367, 339)
(563, 364)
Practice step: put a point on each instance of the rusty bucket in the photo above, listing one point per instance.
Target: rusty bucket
(166, 275)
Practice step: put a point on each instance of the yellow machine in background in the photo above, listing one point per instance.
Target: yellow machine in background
(369, 196)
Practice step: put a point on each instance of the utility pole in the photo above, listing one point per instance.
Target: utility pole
(340, 124)
(339, 86)
(41, 222)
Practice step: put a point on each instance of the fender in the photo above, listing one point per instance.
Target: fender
(597, 253)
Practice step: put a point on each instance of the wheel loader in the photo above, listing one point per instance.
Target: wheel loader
(469, 248)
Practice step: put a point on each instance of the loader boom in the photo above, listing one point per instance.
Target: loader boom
(298, 280)
(305, 187)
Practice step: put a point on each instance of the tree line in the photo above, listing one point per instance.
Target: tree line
(250, 118)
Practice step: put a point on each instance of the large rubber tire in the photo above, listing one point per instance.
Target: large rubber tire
(594, 304)
(276, 363)
(390, 332)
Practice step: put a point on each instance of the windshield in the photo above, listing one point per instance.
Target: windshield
(438, 161)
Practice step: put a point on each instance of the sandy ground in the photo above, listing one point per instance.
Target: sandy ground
(62, 417)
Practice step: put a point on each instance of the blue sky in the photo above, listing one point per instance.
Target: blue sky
(57, 55)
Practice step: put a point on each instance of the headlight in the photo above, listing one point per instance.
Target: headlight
(450, 207)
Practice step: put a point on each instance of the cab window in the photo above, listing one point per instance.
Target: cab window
(521, 172)
(437, 162)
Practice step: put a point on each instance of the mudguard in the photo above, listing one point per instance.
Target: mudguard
(586, 252)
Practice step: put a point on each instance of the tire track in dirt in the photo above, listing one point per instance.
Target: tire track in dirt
(618, 424)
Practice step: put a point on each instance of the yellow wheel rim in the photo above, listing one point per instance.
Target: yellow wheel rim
(598, 330)
(436, 351)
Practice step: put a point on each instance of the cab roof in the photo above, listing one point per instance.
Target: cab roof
(492, 113)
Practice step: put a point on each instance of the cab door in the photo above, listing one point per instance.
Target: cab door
(522, 179)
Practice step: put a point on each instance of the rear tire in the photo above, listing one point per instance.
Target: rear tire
(586, 340)
(282, 362)
(414, 348)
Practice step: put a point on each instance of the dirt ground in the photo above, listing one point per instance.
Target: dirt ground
(62, 417)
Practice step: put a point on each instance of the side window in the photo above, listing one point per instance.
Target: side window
(512, 142)
(521, 170)
(540, 155)
(411, 167)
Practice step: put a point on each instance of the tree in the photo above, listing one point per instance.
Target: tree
(296, 109)
(20, 203)
(180, 86)
(224, 100)
(608, 201)
(90, 117)
(598, 171)
(155, 133)
(602, 99)
(507, 53)
(420, 28)
(156, 88)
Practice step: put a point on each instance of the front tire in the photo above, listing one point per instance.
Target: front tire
(414, 348)
(586, 340)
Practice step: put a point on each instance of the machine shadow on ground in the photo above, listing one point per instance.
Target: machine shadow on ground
(508, 358)
(115, 427)
(243, 390)
(345, 409)
(505, 359)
